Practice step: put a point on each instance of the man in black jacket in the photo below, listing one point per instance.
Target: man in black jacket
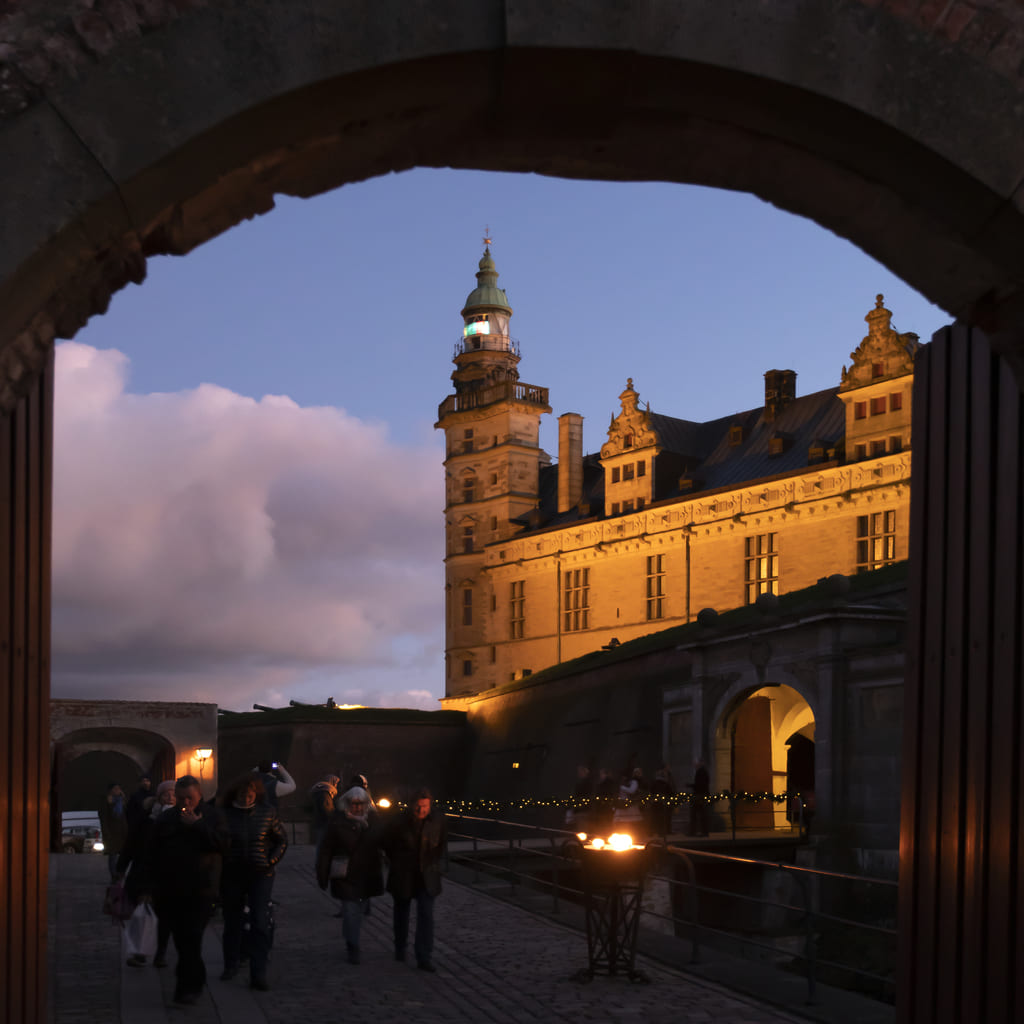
(414, 844)
(188, 843)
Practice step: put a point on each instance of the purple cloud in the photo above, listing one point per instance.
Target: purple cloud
(239, 550)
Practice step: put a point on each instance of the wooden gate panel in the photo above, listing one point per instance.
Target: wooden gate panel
(25, 488)
(961, 892)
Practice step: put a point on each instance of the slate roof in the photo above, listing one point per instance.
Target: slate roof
(815, 419)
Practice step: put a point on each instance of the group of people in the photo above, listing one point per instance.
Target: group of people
(632, 804)
(185, 856)
(352, 843)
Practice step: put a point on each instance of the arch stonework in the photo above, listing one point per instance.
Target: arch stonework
(131, 128)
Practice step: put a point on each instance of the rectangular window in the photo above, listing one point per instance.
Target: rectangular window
(517, 609)
(860, 410)
(860, 451)
(627, 471)
(762, 569)
(896, 443)
(878, 405)
(467, 607)
(467, 440)
(615, 474)
(877, 449)
(576, 606)
(468, 490)
(878, 369)
(494, 522)
(615, 508)
(641, 468)
(876, 540)
(895, 401)
(467, 667)
(467, 540)
(639, 504)
(627, 506)
(655, 587)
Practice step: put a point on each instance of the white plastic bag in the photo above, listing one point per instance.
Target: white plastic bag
(140, 932)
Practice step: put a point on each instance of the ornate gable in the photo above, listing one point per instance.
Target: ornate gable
(883, 354)
(631, 428)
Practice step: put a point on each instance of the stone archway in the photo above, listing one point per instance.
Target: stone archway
(128, 130)
(752, 749)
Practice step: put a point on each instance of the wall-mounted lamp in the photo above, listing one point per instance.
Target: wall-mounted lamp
(203, 754)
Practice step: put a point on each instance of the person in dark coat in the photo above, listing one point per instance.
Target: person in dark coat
(187, 848)
(136, 810)
(662, 792)
(134, 865)
(348, 859)
(414, 843)
(113, 815)
(700, 805)
(322, 797)
(257, 843)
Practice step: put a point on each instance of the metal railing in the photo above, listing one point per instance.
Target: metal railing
(815, 910)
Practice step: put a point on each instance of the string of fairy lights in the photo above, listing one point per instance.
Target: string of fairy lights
(484, 805)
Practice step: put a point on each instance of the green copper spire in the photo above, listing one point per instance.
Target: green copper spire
(486, 295)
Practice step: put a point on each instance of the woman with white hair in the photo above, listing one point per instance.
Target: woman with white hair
(348, 859)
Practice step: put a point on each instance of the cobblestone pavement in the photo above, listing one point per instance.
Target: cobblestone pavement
(495, 962)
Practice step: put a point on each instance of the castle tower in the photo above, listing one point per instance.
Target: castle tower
(492, 465)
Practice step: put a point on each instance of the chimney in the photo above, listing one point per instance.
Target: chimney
(570, 460)
(779, 391)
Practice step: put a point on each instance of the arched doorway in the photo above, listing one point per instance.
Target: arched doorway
(114, 154)
(765, 744)
(85, 762)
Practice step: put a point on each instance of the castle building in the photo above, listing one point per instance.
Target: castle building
(547, 562)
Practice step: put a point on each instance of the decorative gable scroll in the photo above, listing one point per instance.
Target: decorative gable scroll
(883, 354)
(631, 428)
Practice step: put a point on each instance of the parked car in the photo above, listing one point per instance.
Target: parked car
(81, 839)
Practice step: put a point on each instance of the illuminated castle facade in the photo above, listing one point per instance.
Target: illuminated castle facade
(546, 562)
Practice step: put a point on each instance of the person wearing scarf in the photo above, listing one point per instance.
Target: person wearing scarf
(348, 859)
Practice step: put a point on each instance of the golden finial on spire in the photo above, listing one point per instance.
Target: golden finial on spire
(487, 236)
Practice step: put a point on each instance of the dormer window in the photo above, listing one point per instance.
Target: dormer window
(627, 441)
(735, 435)
(878, 369)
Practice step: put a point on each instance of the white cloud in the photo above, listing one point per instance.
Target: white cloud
(233, 548)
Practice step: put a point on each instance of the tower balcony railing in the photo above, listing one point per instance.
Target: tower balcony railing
(504, 391)
(486, 343)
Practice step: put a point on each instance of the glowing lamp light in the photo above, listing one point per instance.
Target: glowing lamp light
(384, 802)
(204, 753)
(581, 836)
(620, 841)
(598, 843)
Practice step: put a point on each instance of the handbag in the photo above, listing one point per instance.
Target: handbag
(140, 930)
(339, 867)
(117, 904)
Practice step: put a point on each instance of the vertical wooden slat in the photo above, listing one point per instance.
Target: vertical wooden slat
(7, 824)
(907, 992)
(1004, 740)
(974, 993)
(19, 684)
(950, 767)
